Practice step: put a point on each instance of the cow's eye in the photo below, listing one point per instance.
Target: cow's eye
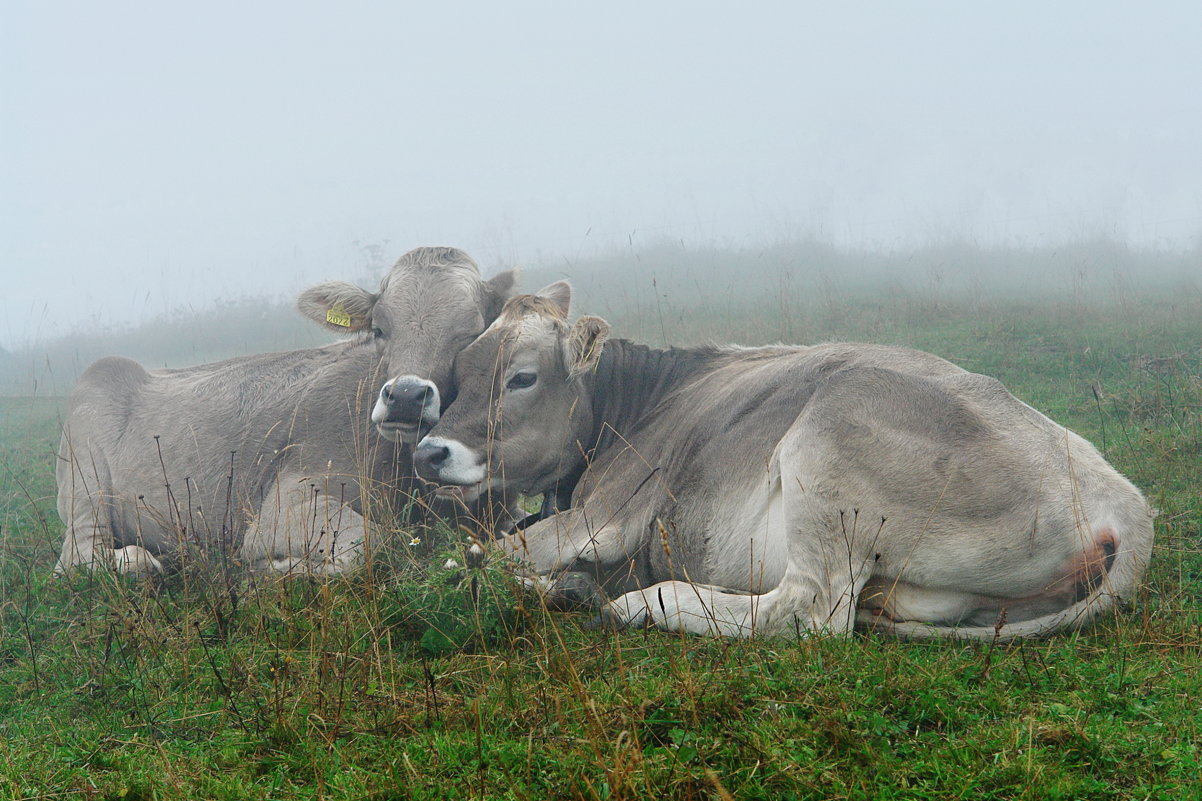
(377, 332)
(521, 380)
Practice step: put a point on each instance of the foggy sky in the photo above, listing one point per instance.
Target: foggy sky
(157, 154)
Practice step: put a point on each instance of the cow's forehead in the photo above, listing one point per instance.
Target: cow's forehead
(510, 335)
(436, 260)
(453, 280)
(531, 331)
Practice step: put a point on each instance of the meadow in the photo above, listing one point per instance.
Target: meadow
(414, 680)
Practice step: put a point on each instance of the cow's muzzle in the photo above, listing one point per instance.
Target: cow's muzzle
(407, 405)
(448, 461)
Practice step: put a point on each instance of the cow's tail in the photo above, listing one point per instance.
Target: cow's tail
(1115, 585)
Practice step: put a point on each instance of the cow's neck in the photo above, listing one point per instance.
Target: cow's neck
(631, 379)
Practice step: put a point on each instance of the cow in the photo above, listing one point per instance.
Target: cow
(786, 490)
(270, 458)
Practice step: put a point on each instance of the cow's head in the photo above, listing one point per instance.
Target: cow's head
(523, 405)
(430, 305)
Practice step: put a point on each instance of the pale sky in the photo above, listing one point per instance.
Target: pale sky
(157, 154)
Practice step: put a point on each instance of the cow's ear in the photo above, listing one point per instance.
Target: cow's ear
(498, 289)
(559, 293)
(502, 284)
(585, 342)
(338, 306)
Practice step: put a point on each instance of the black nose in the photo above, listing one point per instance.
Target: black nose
(405, 394)
(429, 459)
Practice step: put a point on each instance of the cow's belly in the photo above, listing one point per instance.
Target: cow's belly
(157, 520)
(1000, 558)
(899, 601)
(747, 547)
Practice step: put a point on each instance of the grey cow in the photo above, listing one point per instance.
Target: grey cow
(271, 456)
(783, 490)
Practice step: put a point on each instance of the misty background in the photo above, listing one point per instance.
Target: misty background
(173, 176)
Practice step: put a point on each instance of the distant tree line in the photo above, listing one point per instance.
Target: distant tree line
(666, 291)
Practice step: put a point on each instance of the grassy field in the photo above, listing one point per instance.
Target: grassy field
(410, 680)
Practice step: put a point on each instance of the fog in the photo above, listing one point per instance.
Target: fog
(158, 156)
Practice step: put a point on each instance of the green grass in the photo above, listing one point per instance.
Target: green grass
(415, 681)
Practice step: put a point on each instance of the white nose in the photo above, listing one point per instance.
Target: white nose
(448, 461)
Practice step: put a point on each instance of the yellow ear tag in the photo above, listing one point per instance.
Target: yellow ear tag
(336, 316)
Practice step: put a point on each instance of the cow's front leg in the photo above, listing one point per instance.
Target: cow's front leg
(566, 540)
(570, 591)
(568, 560)
(684, 607)
(829, 562)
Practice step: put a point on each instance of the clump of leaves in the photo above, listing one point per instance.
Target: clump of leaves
(458, 601)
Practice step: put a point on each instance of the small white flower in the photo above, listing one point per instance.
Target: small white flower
(415, 541)
(474, 555)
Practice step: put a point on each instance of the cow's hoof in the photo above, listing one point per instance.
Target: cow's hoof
(605, 620)
(613, 617)
(575, 591)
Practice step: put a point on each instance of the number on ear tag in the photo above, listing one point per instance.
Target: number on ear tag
(336, 316)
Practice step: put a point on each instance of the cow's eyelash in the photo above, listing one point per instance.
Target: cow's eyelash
(521, 380)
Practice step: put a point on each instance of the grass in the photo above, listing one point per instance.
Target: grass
(413, 680)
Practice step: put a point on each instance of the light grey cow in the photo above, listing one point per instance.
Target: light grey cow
(784, 490)
(271, 457)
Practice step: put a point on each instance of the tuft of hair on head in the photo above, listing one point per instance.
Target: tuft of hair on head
(520, 306)
(436, 258)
